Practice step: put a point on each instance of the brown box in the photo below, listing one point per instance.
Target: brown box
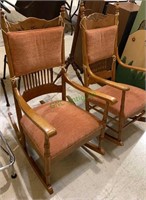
(127, 14)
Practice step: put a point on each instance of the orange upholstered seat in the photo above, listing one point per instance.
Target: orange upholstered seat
(72, 126)
(134, 100)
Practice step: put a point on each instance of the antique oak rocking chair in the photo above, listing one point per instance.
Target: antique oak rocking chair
(100, 54)
(54, 129)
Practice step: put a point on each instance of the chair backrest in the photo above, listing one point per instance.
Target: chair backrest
(99, 41)
(34, 47)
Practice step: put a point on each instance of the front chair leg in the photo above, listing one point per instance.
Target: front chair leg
(95, 148)
(101, 149)
(120, 128)
(47, 165)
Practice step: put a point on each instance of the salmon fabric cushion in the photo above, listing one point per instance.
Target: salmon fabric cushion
(100, 43)
(135, 100)
(72, 125)
(36, 49)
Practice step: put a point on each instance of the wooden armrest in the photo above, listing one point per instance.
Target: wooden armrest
(129, 66)
(34, 117)
(107, 82)
(88, 91)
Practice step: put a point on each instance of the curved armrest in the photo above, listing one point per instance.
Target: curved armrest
(105, 97)
(34, 117)
(107, 82)
(129, 66)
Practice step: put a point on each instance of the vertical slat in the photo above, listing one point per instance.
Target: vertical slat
(30, 81)
(42, 77)
(45, 73)
(24, 83)
(36, 79)
(33, 82)
(48, 72)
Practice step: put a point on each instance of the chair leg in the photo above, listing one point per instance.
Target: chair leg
(38, 172)
(101, 149)
(120, 128)
(5, 62)
(44, 179)
(117, 140)
(96, 148)
(47, 166)
(5, 93)
(2, 82)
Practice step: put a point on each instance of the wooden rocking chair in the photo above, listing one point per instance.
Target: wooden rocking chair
(54, 129)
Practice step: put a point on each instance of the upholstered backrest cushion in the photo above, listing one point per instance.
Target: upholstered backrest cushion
(33, 50)
(100, 43)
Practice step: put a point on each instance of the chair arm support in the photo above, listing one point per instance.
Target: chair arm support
(89, 91)
(34, 117)
(107, 82)
(129, 66)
